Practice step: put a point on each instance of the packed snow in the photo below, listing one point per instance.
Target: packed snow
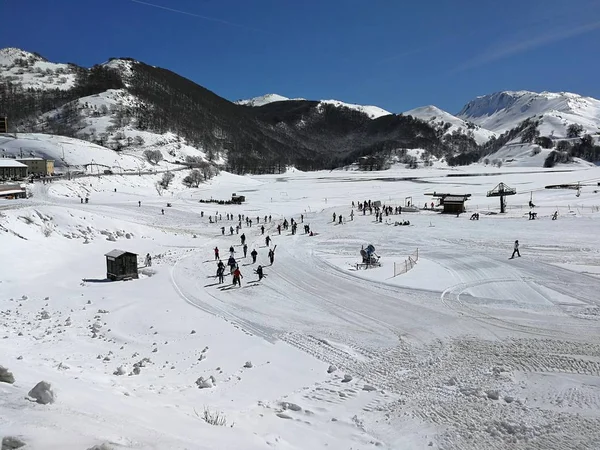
(466, 350)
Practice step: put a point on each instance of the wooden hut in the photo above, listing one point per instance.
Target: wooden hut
(239, 199)
(121, 265)
(454, 204)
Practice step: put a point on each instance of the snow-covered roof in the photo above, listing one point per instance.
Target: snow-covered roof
(455, 198)
(36, 158)
(6, 162)
(116, 253)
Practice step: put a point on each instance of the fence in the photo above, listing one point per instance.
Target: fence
(407, 264)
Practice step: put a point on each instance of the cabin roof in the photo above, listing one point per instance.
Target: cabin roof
(116, 253)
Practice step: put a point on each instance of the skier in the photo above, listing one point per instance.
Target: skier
(139, 203)
(162, 211)
(267, 240)
(243, 238)
(231, 250)
(516, 250)
(340, 219)
(333, 217)
(254, 254)
(221, 271)
(351, 215)
(231, 263)
(216, 252)
(245, 248)
(148, 260)
(223, 231)
(272, 254)
(231, 230)
(259, 272)
(262, 229)
(555, 215)
(279, 228)
(237, 276)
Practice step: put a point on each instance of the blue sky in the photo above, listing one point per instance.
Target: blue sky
(391, 53)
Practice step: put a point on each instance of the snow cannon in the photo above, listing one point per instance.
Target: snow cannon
(368, 255)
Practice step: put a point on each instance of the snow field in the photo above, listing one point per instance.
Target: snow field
(468, 350)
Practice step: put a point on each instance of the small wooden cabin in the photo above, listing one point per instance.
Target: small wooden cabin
(121, 265)
(454, 204)
(239, 199)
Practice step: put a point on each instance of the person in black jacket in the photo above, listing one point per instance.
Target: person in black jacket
(516, 250)
(254, 254)
(259, 272)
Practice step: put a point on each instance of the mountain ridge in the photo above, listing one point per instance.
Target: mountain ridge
(267, 131)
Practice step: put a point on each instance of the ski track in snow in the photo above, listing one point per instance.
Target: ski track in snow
(506, 355)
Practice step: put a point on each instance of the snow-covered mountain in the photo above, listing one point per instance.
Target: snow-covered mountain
(372, 111)
(449, 123)
(264, 100)
(33, 71)
(503, 111)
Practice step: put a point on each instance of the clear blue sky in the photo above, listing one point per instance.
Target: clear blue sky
(394, 54)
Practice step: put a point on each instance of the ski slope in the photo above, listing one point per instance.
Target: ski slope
(468, 350)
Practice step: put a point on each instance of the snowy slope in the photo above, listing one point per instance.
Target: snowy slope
(372, 111)
(264, 100)
(468, 350)
(99, 122)
(123, 66)
(76, 153)
(32, 71)
(437, 118)
(502, 111)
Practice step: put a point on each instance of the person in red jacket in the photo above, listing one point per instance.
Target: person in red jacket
(216, 253)
(237, 276)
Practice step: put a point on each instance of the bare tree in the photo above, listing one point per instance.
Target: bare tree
(153, 156)
(193, 179)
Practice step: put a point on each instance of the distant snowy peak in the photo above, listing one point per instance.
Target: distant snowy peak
(372, 111)
(32, 71)
(264, 100)
(122, 65)
(439, 119)
(502, 111)
(10, 56)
